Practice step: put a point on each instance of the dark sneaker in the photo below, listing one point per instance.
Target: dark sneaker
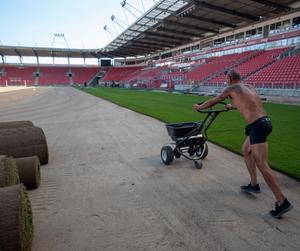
(251, 188)
(281, 209)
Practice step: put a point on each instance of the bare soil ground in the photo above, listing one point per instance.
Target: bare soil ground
(12, 88)
(105, 187)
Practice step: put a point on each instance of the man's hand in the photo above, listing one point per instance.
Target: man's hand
(229, 106)
(197, 107)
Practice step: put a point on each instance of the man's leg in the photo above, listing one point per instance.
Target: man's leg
(249, 160)
(260, 154)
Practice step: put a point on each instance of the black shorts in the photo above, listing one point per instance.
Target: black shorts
(259, 130)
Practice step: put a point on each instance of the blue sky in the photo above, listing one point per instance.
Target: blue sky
(33, 22)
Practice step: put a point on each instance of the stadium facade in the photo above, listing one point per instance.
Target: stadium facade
(181, 44)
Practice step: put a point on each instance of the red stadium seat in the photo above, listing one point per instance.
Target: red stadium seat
(281, 74)
(254, 64)
(49, 75)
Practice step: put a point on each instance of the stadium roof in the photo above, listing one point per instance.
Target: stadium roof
(50, 52)
(171, 23)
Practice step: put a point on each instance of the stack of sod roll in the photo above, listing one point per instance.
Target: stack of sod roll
(23, 147)
(29, 171)
(16, 227)
(26, 141)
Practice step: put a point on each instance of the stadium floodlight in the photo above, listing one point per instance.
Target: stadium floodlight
(59, 35)
(114, 26)
(126, 5)
(123, 3)
(119, 22)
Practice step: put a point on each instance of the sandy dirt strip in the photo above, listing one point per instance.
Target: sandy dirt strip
(13, 88)
(105, 187)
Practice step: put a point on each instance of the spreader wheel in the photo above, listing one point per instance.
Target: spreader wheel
(202, 151)
(167, 155)
(205, 151)
(198, 164)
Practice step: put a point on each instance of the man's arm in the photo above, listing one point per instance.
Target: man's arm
(211, 102)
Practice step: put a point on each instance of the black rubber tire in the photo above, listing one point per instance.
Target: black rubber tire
(167, 155)
(29, 171)
(205, 151)
(198, 165)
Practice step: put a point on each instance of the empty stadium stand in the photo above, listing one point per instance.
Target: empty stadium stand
(261, 59)
(258, 67)
(147, 77)
(17, 75)
(81, 75)
(54, 75)
(46, 75)
(283, 73)
(217, 66)
(121, 73)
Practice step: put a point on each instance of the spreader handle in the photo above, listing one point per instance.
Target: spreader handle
(213, 111)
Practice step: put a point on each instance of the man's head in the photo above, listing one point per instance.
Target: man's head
(233, 76)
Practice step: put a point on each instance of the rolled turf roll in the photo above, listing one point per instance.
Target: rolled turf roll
(29, 171)
(15, 124)
(16, 227)
(8, 172)
(24, 142)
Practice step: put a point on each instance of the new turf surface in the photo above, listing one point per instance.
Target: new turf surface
(228, 128)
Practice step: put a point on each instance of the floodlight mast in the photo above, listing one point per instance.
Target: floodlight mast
(59, 35)
(143, 6)
(119, 22)
(110, 32)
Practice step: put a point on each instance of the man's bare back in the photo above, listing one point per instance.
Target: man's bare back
(246, 100)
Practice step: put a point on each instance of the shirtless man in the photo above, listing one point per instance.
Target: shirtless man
(255, 148)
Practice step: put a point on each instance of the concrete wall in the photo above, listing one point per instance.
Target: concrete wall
(218, 89)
